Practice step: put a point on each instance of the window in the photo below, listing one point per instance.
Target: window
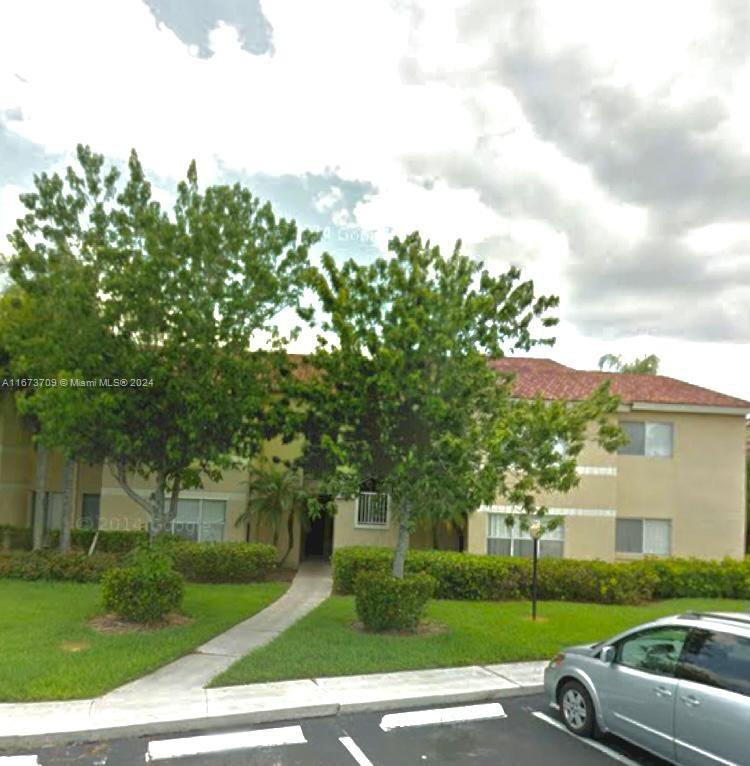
(721, 660)
(510, 540)
(200, 520)
(90, 511)
(649, 439)
(653, 651)
(649, 536)
(372, 509)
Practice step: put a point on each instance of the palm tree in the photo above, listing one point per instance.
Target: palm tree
(275, 494)
(645, 365)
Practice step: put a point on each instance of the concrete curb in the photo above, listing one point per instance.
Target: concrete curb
(214, 723)
(35, 725)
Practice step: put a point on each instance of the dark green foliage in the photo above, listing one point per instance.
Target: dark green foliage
(223, 562)
(384, 602)
(166, 300)
(494, 578)
(110, 541)
(51, 565)
(146, 590)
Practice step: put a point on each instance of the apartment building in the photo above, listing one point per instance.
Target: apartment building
(676, 488)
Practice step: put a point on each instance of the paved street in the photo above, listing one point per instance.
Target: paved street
(514, 732)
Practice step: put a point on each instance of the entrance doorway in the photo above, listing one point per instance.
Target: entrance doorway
(319, 538)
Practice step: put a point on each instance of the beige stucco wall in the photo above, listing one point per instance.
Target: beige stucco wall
(476, 538)
(16, 465)
(345, 531)
(701, 488)
(588, 537)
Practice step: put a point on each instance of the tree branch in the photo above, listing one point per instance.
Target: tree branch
(120, 475)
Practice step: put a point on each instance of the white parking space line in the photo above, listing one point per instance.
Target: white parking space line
(619, 757)
(355, 751)
(159, 750)
(442, 715)
(19, 760)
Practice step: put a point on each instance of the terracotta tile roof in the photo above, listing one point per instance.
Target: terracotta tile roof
(551, 380)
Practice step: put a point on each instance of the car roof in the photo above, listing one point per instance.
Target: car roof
(733, 622)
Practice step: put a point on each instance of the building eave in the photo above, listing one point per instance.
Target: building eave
(696, 409)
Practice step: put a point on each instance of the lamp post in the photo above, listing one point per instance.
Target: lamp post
(535, 531)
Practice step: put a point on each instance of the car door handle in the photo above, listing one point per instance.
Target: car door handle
(691, 701)
(662, 691)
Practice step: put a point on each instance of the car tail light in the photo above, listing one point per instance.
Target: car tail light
(556, 660)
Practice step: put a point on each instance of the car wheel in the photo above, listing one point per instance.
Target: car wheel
(577, 709)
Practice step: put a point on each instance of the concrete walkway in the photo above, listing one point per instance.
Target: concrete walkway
(310, 587)
(37, 724)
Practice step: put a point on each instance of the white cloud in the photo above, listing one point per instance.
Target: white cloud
(333, 98)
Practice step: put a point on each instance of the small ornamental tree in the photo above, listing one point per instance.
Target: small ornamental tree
(277, 495)
(175, 299)
(404, 396)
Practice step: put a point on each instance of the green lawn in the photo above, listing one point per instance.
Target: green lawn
(40, 622)
(324, 643)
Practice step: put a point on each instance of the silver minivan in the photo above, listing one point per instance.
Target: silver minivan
(678, 687)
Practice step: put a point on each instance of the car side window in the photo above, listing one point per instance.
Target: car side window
(654, 651)
(721, 660)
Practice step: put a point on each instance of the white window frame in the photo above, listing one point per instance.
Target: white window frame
(199, 523)
(516, 534)
(644, 520)
(373, 525)
(645, 453)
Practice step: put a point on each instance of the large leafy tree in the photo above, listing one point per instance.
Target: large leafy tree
(175, 299)
(403, 396)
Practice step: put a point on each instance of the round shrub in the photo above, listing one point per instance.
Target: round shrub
(385, 602)
(145, 591)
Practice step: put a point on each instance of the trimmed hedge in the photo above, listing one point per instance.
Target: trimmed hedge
(463, 576)
(384, 602)
(110, 540)
(678, 578)
(50, 565)
(15, 537)
(146, 591)
(196, 562)
(223, 562)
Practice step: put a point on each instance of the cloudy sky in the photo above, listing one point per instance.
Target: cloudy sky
(604, 147)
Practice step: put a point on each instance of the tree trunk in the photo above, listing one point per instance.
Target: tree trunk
(158, 513)
(289, 536)
(173, 500)
(69, 473)
(435, 535)
(153, 505)
(40, 489)
(402, 546)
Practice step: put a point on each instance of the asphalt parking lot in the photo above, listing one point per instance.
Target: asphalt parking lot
(516, 731)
